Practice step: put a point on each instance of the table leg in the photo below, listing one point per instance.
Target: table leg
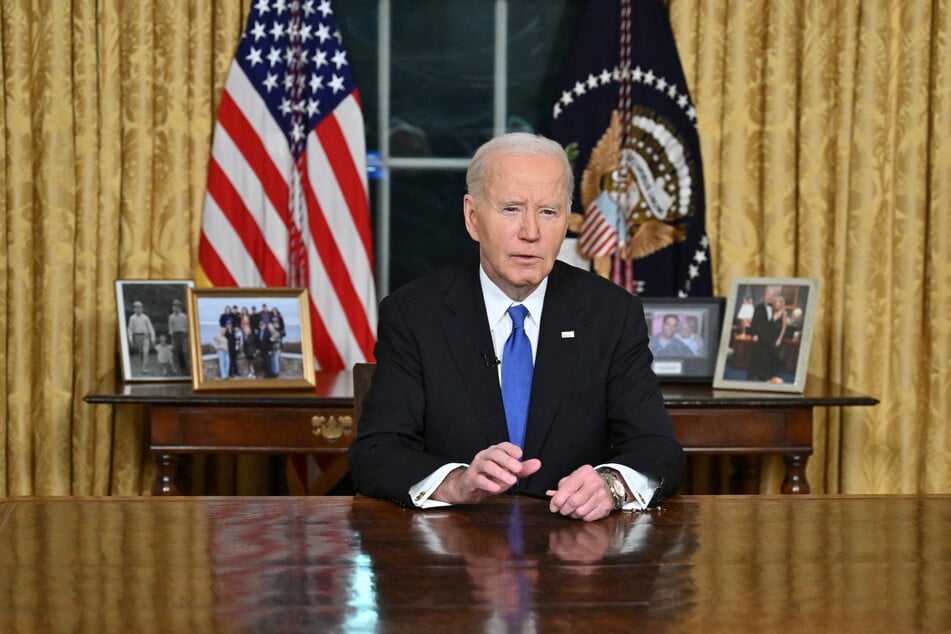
(166, 472)
(745, 477)
(795, 479)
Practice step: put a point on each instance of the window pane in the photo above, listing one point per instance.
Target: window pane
(441, 76)
(427, 227)
(540, 36)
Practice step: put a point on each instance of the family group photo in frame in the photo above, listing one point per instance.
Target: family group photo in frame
(153, 329)
(767, 334)
(247, 338)
(684, 336)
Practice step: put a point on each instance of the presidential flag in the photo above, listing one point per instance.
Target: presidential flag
(287, 200)
(626, 118)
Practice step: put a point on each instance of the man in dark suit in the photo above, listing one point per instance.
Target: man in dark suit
(764, 354)
(433, 428)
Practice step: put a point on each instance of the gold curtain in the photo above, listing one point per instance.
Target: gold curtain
(825, 128)
(107, 110)
(826, 133)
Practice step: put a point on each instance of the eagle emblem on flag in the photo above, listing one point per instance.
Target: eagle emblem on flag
(652, 184)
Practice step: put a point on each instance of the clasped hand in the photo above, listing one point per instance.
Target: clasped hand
(580, 495)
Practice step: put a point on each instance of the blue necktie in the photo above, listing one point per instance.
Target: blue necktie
(517, 376)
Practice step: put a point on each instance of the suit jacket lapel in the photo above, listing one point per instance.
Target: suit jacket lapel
(466, 329)
(561, 336)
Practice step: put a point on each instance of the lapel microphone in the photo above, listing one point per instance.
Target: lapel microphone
(490, 360)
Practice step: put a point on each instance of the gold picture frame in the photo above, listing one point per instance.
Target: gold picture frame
(251, 338)
(757, 352)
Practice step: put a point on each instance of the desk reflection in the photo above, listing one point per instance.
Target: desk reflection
(730, 564)
(518, 568)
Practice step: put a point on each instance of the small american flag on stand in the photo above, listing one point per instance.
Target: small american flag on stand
(287, 199)
(599, 230)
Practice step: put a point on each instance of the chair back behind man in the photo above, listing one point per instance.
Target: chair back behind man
(362, 375)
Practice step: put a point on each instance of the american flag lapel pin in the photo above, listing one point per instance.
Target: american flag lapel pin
(567, 334)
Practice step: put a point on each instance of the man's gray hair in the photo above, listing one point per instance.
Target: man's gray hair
(519, 144)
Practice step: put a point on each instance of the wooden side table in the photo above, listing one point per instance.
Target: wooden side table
(183, 422)
(706, 421)
(745, 423)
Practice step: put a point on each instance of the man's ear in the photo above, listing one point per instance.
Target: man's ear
(469, 211)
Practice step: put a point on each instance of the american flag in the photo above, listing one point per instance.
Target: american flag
(287, 201)
(599, 233)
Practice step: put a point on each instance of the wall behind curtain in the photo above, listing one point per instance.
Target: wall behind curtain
(824, 126)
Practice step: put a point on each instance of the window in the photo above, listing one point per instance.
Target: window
(437, 78)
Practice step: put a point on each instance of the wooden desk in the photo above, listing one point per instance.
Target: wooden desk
(703, 564)
(706, 421)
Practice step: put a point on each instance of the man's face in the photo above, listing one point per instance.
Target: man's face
(669, 327)
(520, 220)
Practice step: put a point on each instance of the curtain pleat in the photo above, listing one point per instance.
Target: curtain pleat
(5, 437)
(933, 432)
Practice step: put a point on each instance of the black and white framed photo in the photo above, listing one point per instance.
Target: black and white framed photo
(767, 334)
(251, 338)
(153, 329)
(684, 336)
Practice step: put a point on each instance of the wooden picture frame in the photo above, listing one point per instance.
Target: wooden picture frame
(679, 355)
(756, 353)
(151, 315)
(262, 348)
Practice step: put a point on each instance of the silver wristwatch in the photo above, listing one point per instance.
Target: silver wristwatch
(616, 487)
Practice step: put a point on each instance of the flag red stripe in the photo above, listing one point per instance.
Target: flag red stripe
(325, 352)
(606, 246)
(339, 278)
(592, 219)
(604, 233)
(246, 138)
(214, 268)
(598, 237)
(231, 205)
(591, 229)
(348, 176)
(602, 244)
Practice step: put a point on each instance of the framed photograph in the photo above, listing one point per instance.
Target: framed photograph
(153, 329)
(764, 344)
(684, 334)
(251, 338)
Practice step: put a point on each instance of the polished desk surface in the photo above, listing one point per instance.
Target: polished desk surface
(724, 563)
(335, 389)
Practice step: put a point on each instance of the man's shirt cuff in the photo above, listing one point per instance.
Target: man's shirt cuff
(420, 492)
(642, 487)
